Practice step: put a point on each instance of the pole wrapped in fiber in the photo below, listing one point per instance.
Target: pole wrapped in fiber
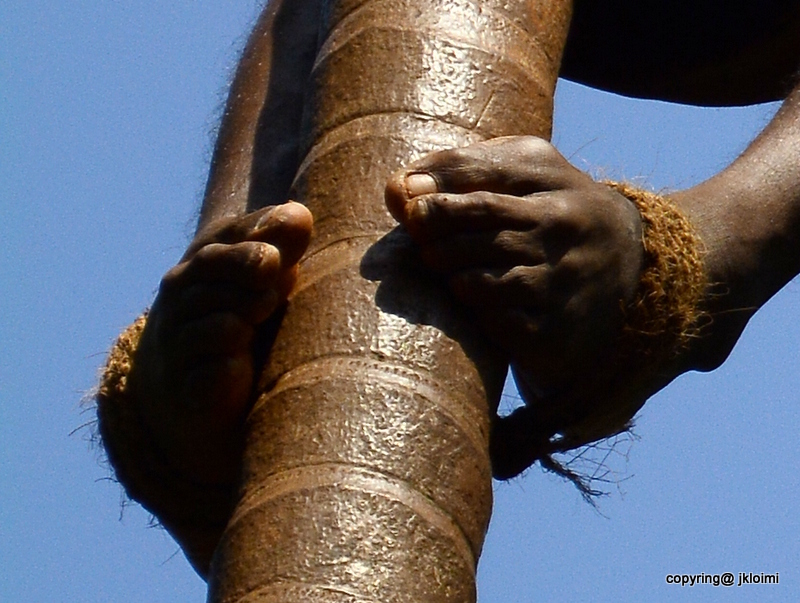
(366, 475)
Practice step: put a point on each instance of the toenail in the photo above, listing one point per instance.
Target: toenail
(420, 184)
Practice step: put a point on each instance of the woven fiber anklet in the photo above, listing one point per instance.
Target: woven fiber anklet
(659, 323)
(666, 312)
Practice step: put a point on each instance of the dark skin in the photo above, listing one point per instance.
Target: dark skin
(547, 257)
(533, 245)
(195, 360)
(541, 252)
(535, 248)
(544, 255)
(194, 369)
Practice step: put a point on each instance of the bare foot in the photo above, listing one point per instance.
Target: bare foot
(545, 256)
(192, 379)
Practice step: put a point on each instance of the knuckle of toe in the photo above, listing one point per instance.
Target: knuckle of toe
(568, 271)
(206, 254)
(172, 279)
(533, 146)
(220, 230)
(454, 157)
(566, 215)
(445, 165)
(254, 254)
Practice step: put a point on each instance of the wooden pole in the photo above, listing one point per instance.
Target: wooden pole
(366, 474)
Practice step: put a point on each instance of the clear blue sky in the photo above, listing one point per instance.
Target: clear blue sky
(106, 117)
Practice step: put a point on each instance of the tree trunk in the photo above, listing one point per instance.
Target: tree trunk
(366, 474)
